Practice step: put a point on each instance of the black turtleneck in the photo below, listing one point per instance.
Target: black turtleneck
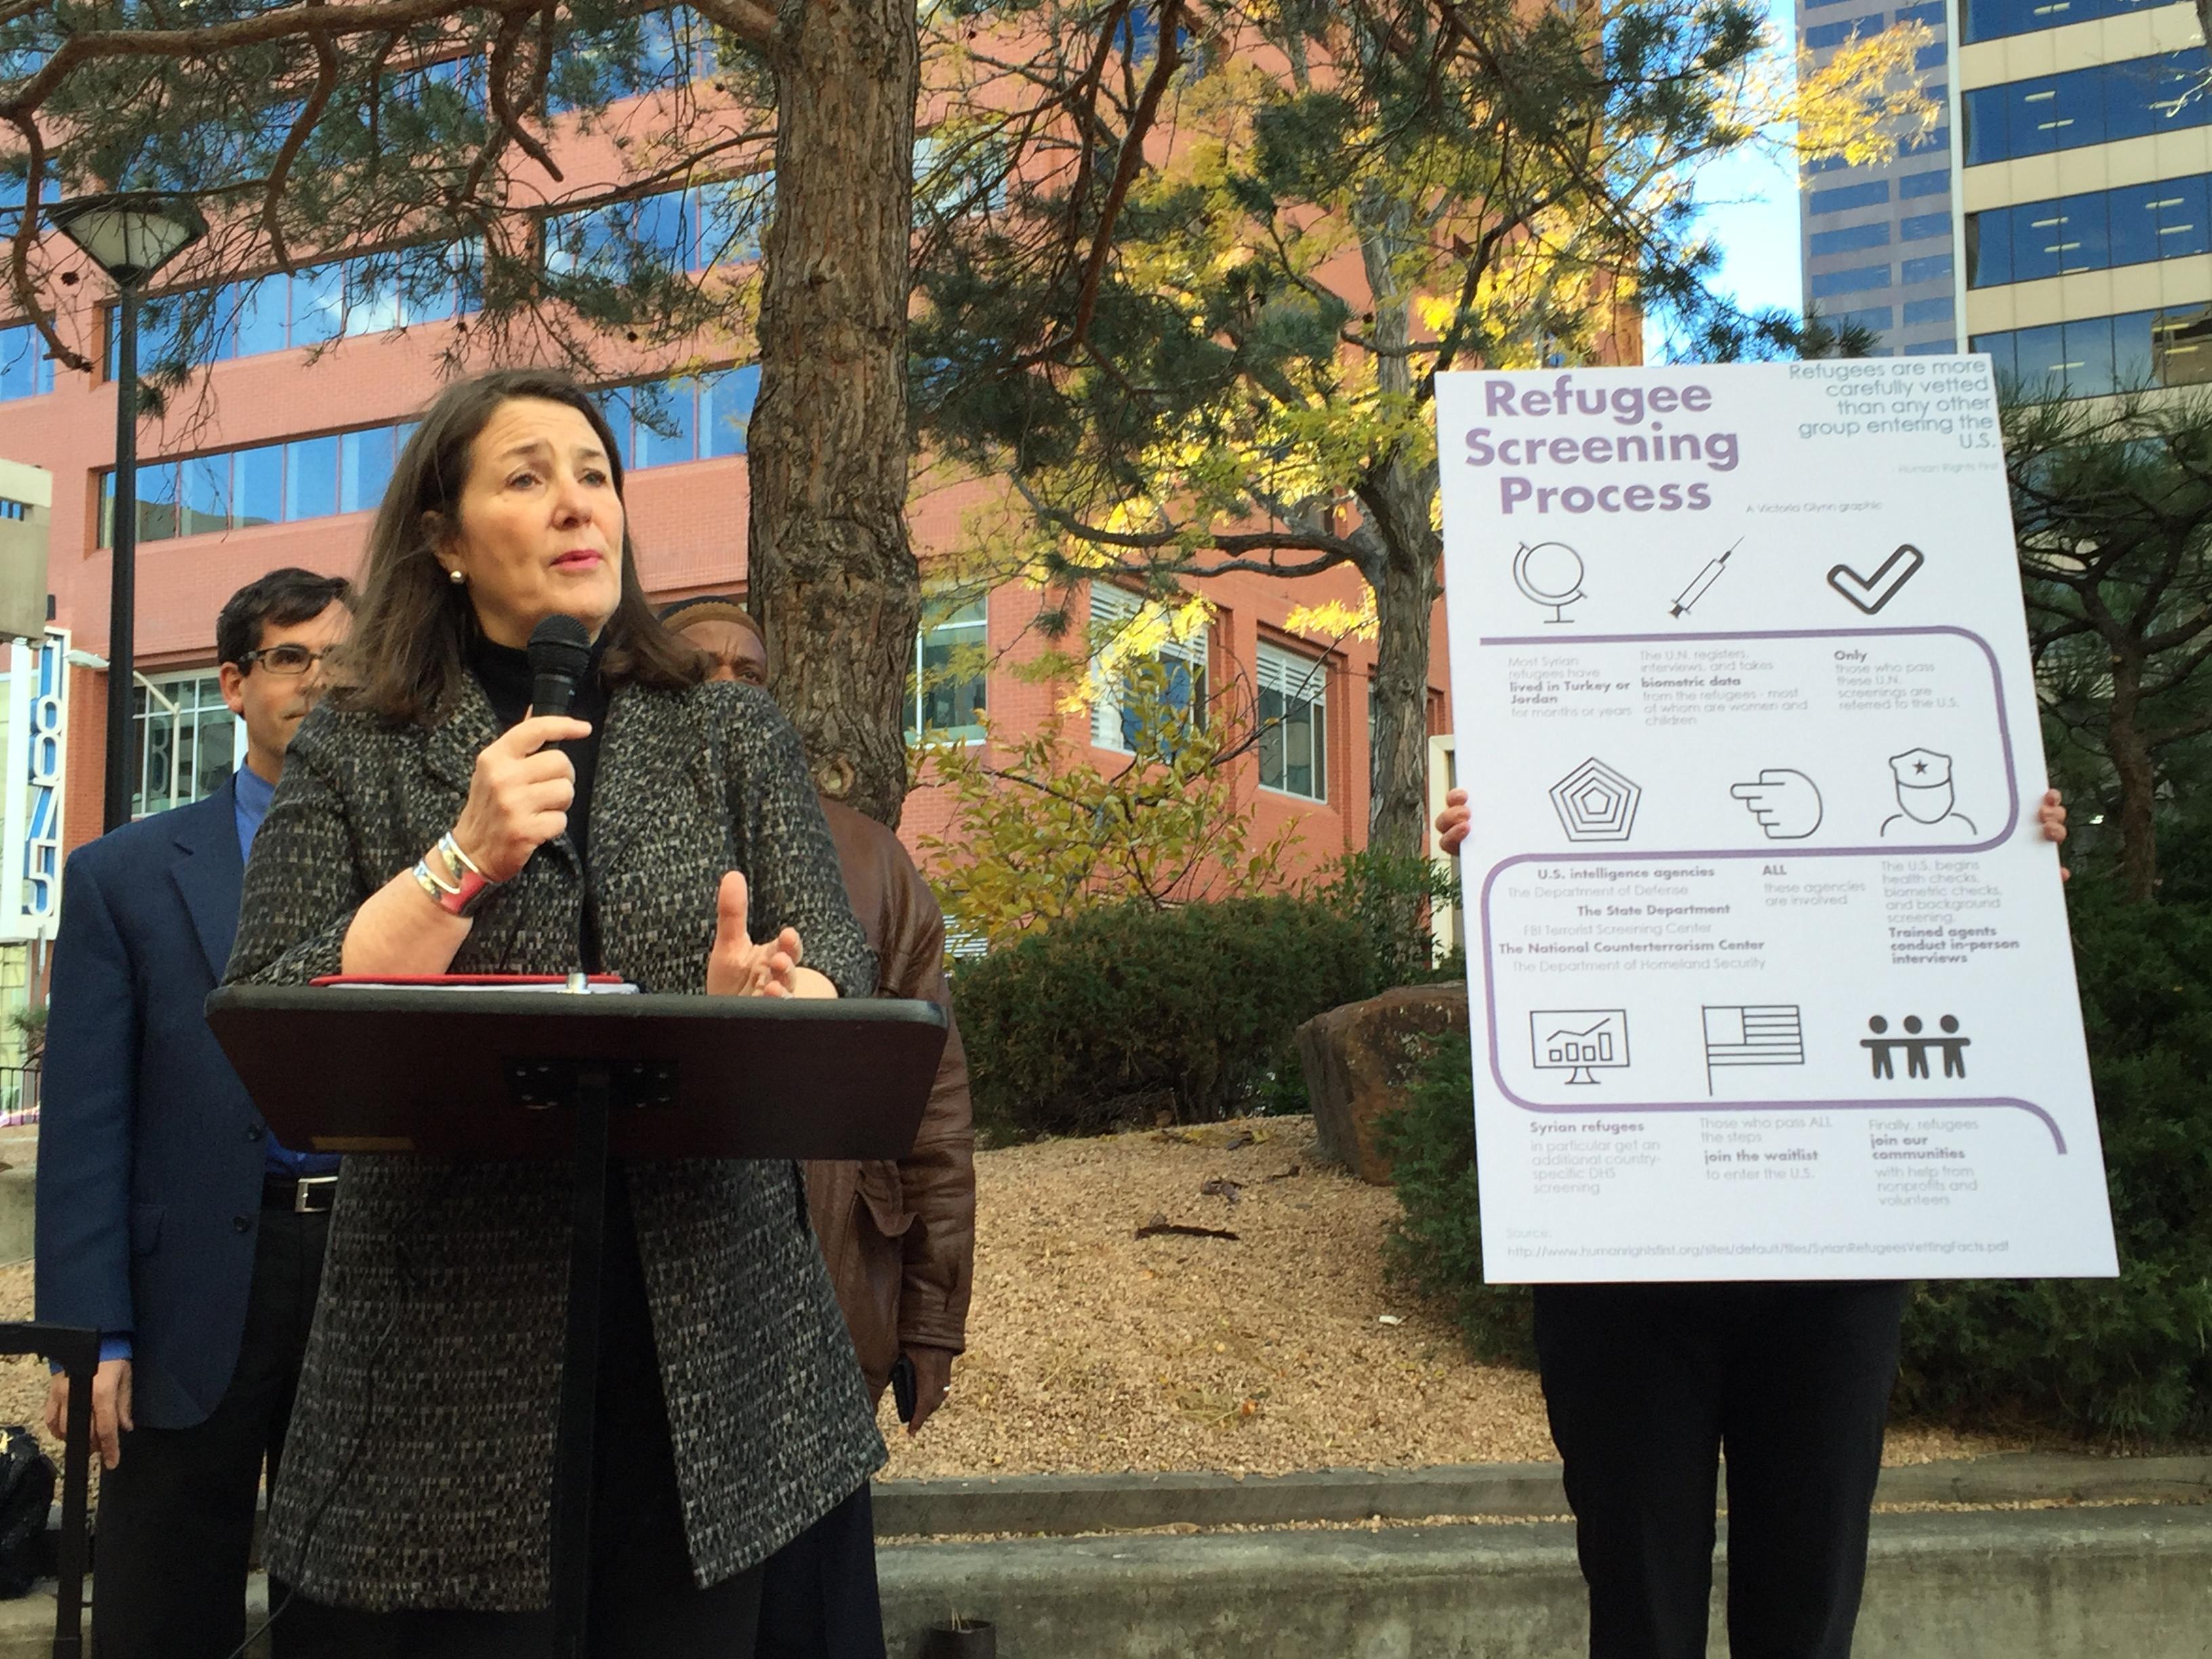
(504, 674)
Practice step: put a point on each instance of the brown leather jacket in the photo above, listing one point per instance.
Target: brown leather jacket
(900, 1238)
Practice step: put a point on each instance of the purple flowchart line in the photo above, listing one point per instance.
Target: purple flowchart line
(1949, 850)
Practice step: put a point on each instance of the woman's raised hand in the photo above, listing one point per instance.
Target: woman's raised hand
(739, 968)
(520, 796)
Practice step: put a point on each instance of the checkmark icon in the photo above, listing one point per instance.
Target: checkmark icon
(1871, 592)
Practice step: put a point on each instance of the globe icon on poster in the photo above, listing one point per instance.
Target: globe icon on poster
(1549, 574)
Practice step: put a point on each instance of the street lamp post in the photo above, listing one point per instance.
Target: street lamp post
(130, 235)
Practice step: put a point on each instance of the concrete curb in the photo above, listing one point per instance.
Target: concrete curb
(2131, 1583)
(1060, 1504)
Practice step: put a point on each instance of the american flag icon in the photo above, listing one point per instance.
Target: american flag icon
(1739, 1034)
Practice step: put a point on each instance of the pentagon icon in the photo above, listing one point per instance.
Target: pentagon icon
(1595, 803)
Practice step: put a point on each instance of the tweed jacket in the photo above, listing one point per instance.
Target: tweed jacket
(418, 1469)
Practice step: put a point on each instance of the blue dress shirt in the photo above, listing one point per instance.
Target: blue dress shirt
(254, 795)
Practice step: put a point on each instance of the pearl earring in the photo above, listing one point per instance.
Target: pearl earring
(455, 577)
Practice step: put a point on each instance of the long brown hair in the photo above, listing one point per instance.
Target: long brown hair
(406, 655)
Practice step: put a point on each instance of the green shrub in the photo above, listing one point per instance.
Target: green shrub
(1129, 1014)
(2128, 1358)
(1435, 1246)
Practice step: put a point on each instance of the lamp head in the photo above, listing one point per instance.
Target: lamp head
(130, 235)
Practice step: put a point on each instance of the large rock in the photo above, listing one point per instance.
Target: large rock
(1359, 1061)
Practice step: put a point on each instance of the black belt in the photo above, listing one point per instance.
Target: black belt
(301, 1195)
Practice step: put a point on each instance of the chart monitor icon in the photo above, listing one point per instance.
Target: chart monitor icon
(1579, 1042)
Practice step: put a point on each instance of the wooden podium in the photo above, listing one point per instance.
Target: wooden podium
(500, 1075)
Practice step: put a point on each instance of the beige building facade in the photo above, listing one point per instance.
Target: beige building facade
(2084, 192)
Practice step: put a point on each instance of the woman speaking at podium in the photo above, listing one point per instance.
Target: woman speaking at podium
(428, 824)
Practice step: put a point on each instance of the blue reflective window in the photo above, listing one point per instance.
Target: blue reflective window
(2132, 361)
(1913, 185)
(1932, 15)
(157, 501)
(2000, 349)
(311, 477)
(1822, 36)
(2042, 359)
(2125, 100)
(364, 468)
(1874, 318)
(1993, 20)
(1921, 226)
(1989, 247)
(1841, 197)
(667, 424)
(1849, 281)
(261, 313)
(25, 370)
(1851, 239)
(318, 304)
(1917, 312)
(1934, 267)
(206, 495)
(729, 406)
(258, 485)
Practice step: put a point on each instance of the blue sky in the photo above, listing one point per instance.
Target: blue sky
(1750, 208)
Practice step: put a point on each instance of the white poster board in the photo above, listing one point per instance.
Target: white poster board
(1768, 958)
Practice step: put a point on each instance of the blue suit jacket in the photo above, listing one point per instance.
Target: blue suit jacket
(150, 1154)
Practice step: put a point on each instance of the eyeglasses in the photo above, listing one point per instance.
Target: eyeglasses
(288, 661)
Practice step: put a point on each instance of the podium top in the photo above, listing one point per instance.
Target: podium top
(449, 1071)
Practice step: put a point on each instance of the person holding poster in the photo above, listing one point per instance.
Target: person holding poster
(1646, 1384)
(1772, 991)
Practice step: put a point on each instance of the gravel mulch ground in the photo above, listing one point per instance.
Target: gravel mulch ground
(1092, 1350)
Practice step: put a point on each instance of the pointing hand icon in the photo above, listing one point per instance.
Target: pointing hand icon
(1787, 804)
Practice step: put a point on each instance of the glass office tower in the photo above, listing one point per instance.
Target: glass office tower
(1878, 242)
(2085, 162)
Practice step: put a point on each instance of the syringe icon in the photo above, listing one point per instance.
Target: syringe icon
(1704, 579)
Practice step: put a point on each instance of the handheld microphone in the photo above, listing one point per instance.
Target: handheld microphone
(559, 651)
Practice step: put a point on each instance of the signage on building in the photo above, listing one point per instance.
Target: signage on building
(1767, 955)
(32, 764)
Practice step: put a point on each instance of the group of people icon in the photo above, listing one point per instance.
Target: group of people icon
(1883, 1047)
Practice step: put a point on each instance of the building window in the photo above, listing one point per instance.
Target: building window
(269, 484)
(188, 741)
(1993, 20)
(693, 229)
(1922, 226)
(1175, 666)
(1919, 312)
(944, 699)
(1843, 198)
(2131, 99)
(1825, 283)
(25, 370)
(373, 294)
(1873, 319)
(2095, 357)
(2138, 224)
(1849, 239)
(1916, 185)
(1933, 268)
(694, 418)
(1293, 724)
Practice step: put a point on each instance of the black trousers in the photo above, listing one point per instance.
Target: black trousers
(818, 1596)
(644, 1603)
(1646, 1384)
(176, 1513)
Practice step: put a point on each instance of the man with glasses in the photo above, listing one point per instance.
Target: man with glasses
(169, 1219)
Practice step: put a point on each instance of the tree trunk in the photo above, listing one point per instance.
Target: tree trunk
(832, 575)
(1398, 701)
(2136, 775)
(1397, 501)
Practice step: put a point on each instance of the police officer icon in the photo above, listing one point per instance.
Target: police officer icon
(1926, 801)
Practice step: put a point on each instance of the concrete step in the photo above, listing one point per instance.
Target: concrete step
(2125, 1581)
